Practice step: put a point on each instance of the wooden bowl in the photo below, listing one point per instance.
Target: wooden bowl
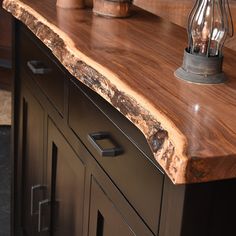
(112, 8)
(70, 4)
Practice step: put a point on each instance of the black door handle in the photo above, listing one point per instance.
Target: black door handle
(38, 67)
(105, 152)
(43, 204)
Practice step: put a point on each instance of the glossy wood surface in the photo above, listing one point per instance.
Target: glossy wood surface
(177, 12)
(143, 51)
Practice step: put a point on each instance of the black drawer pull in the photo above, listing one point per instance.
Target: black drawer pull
(37, 67)
(107, 152)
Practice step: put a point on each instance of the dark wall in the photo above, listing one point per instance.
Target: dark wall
(177, 11)
(5, 37)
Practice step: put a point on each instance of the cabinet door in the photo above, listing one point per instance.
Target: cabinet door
(66, 175)
(105, 218)
(32, 156)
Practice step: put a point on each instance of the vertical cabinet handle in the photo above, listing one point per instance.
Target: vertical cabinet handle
(42, 204)
(108, 152)
(37, 67)
(32, 200)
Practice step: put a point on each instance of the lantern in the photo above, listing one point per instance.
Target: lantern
(209, 23)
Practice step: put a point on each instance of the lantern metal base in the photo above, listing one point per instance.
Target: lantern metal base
(201, 70)
(180, 73)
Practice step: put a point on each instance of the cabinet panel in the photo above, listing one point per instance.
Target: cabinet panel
(32, 146)
(105, 218)
(65, 175)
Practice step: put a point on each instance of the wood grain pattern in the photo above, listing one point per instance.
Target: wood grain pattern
(177, 12)
(131, 64)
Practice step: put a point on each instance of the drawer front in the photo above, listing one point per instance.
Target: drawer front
(48, 76)
(136, 177)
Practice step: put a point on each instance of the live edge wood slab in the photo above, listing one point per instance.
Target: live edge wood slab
(190, 128)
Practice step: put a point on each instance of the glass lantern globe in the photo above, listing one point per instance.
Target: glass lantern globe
(209, 24)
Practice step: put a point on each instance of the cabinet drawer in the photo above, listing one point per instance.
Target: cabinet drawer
(35, 62)
(129, 168)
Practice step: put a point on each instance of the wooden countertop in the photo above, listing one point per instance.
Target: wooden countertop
(190, 128)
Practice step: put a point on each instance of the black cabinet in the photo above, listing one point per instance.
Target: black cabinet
(64, 190)
(83, 169)
(105, 218)
(110, 213)
(53, 184)
(66, 177)
(42, 69)
(31, 136)
(135, 176)
(50, 175)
